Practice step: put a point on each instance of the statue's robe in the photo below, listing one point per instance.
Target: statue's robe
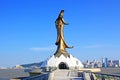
(60, 42)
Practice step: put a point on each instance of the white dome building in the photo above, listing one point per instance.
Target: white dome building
(62, 62)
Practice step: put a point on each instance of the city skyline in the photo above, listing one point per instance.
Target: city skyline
(28, 34)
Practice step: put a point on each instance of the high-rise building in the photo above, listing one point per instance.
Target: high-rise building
(110, 63)
(103, 62)
(106, 62)
(116, 63)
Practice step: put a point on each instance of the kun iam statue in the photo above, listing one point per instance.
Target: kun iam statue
(60, 42)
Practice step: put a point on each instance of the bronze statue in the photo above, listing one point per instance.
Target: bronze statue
(60, 42)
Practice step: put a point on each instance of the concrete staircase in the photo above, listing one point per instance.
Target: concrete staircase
(64, 75)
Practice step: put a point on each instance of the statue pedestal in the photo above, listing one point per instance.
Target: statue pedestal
(61, 52)
(63, 62)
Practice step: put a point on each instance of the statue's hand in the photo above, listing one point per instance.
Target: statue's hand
(66, 23)
(71, 47)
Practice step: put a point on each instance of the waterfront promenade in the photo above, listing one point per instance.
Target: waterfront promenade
(59, 74)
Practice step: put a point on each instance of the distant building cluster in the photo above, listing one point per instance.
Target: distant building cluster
(110, 63)
(105, 62)
(93, 64)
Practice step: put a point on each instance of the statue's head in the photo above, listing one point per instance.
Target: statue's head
(62, 11)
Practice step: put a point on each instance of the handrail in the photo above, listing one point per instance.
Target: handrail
(44, 75)
(102, 76)
(115, 75)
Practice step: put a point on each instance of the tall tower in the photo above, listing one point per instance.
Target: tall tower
(106, 62)
(103, 62)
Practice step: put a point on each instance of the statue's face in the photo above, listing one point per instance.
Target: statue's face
(62, 13)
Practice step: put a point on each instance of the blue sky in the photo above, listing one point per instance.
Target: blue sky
(28, 33)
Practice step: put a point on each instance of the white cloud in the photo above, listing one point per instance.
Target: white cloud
(42, 48)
